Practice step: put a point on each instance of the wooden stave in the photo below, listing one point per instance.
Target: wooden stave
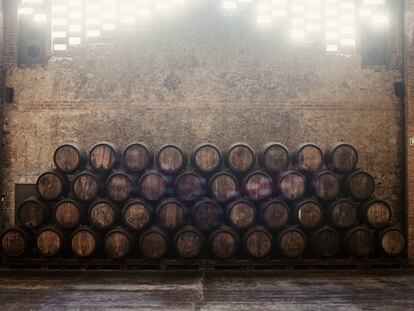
(82, 154)
(117, 157)
(147, 166)
(196, 166)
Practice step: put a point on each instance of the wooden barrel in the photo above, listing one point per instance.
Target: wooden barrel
(377, 213)
(32, 213)
(70, 158)
(309, 214)
(136, 214)
(84, 242)
(326, 242)
(224, 243)
(52, 185)
(275, 214)
(118, 243)
(154, 243)
(104, 157)
(258, 186)
(240, 158)
(86, 186)
(360, 241)
(68, 213)
(119, 186)
(189, 186)
(137, 157)
(50, 241)
(258, 242)
(15, 242)
(188, 242)
(392, 241)
(326, 186)
(102, 214)
(171, 214)
(343, 214)
(292, 185)
(359, 185)
(224, 186)
(153, 186)
(341, 158)
(171, 159)
(274, 157)
(206, 158)
(241, 214)
(207, 214)
(292, 242)
(308, 158)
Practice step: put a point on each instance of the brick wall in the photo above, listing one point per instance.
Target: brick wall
(219, 81)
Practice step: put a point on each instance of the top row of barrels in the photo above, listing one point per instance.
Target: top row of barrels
(206, 158)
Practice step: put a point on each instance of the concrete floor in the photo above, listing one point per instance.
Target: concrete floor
(346, 290)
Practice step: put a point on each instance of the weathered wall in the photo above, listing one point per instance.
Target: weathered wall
(409, 112)
(217, 80)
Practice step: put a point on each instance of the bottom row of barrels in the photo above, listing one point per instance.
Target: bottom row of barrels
(189, 243)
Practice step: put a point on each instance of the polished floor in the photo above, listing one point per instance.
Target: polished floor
(287, 290)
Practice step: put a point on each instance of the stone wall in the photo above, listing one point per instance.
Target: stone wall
(218, 80)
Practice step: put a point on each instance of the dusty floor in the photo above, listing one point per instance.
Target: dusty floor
(211, 290)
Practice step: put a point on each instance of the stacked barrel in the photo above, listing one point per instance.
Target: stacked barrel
(115, 204)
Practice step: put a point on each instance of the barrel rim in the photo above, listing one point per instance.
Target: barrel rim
(183, 158)
(115, 150)
(149, 152)
(62, 179)
(297, 173)
(227, 161)
(267, 204)
(314, 241)
(258, 172)
(94, 177)
(109, 203)
(230, 207)
(366, 207)
(218, 174)
(352, 175)
(194, 162)
(82, 154)
(202, 182)
(158, 231)
(330, 152)
(298, 149)
(89, 230)
(313, 201)
(162, 177)
(266, 148)
(167, 201)
(72, 201)
(319, 175)
(360, 228)
(292, 229)
(196, 206)
(26, 238)
(128, 177)
(189, 228)
(58, 232)
(226, 230)
(262, 229)
(333, 205)
(37, 200)
(124, 232)
(383, 232)
(128, 204)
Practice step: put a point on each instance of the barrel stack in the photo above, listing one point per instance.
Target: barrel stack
(116, 204)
